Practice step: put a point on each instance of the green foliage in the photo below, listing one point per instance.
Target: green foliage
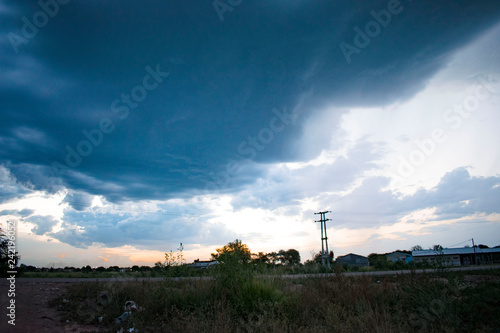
(261, 258)
(290, 257)
(379, 261)
(252, 294)
(235, 280)
(234, 268)
(233, 251)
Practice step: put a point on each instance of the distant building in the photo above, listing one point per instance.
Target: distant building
(204, 264)
(352, 259)
(458, 256)
(399, 256)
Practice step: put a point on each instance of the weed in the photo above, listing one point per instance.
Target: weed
(238, 300)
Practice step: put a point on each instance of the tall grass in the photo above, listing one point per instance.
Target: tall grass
(239, 301)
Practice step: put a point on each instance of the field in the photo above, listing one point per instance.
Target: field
(241, 301)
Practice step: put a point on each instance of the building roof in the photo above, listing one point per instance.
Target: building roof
(461, 250)
(204, 263)
(397, 253)
(352, 255)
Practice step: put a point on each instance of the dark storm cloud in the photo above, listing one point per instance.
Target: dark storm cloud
(79, 201)
(10, 188)
(68, 85)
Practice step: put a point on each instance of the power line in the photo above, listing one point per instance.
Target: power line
(325, 256)
(459, 243)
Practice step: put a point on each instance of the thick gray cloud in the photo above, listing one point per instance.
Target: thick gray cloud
(156, 230)
(78, 200)
(224, 80)
(10, 188)
(283, 186)
(457, 195)
(43, 224)
(21, 213)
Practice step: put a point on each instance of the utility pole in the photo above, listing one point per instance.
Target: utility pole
(474, 247)
(325, 257)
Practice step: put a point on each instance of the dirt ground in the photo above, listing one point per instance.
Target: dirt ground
(33, 313)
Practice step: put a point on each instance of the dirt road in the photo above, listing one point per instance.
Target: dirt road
(32, 310)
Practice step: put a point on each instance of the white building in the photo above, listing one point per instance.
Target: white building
(458, 256)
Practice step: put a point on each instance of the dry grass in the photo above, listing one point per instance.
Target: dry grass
(405, 303)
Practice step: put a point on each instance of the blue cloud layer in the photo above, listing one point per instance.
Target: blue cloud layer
(69, 84)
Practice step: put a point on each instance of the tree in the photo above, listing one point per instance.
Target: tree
(438, 248)
(158, 266)
(234, 270)
(416, 248)
(260, 257)
(28, 268)
(8, 260)
(233, 251)
(273, 257)
(379, 261)
(290, 257)
(86, 269)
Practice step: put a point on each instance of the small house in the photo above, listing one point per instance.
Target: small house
(352, 259)
(203, 264)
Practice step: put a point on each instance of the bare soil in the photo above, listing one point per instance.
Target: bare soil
(33, 313)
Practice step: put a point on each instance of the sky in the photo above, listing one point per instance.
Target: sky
(129, 127)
